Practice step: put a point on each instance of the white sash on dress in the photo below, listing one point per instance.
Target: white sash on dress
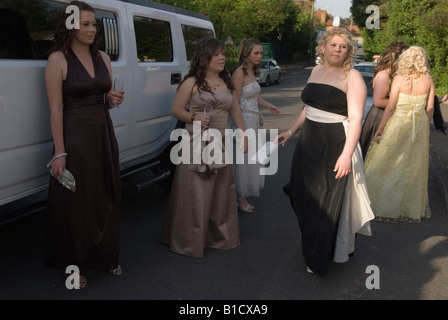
(356, 212)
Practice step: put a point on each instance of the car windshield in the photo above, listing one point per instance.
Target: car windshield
(264, 64)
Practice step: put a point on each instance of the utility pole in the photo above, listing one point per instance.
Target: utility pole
(311, 32)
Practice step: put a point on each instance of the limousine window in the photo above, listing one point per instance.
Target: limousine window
(153, 39)
(27, 29)
(192, 35)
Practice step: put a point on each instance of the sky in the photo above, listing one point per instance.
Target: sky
(335, 7)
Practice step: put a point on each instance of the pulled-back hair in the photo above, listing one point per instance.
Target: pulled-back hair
(207, 47)
(389, 58)
(247, 46)
(344, 34)
(63, 36)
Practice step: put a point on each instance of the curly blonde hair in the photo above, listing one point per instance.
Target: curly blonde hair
(343, 33)
(413, 62)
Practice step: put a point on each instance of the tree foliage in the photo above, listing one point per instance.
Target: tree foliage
(274, 21)
(417, 22)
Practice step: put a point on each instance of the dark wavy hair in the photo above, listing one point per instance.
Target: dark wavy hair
(247, 46)
(204, 52)
(389, 58)
(63, 36)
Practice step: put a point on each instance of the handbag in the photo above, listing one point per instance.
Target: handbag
(260, 121)
(67, 179)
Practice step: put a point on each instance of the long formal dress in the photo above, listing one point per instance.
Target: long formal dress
(396, 169)
(248, 179)
(317, 198)
(369, 128)
(83, 227)
(202, 210)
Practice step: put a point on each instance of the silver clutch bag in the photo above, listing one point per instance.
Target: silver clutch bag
(67, 179)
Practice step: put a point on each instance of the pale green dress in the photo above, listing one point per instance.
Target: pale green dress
(396, 169)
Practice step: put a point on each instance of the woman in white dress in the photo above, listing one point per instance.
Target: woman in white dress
(249, 182)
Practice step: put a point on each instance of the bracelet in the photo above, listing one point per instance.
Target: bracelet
(192, 117)
(290, 134)
(59, 155)
(55, 157)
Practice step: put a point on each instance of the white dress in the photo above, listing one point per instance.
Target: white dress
(248, 180)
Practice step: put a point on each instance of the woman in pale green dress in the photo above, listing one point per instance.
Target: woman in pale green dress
(396, 165)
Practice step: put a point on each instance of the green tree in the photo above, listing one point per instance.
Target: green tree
(417, 22)
(274, 21)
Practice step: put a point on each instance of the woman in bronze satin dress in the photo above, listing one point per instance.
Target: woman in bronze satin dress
(202, 208)
(82, 226)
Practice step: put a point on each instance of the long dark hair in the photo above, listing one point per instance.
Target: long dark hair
(63, 36)
(389, 58)
(204, 52)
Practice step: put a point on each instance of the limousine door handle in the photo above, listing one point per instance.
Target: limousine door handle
(175, 78)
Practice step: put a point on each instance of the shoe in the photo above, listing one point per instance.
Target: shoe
(82, 281)
(244, 206)
(309, 270)
(247, 209)
(116, 271)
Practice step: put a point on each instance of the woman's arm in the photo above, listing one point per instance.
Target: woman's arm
(263, 103)
(390, 108)
(181, 101)
(381, 86)
(55, 73)
(113, 98)
(356, 99)
(430, 103)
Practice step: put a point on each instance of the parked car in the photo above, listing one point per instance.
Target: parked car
(359, 58)
(270, 72)
(368, 77)
(365, 67)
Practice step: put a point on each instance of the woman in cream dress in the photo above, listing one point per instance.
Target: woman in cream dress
(396, 165)
(248, 180)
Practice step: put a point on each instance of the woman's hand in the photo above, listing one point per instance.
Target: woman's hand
(57, 166)
(377, 136)
(274, 110)
(343, 166)
(283, 137)
(116, 98)
(205, 119)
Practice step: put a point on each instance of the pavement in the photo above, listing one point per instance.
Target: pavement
(438, 158)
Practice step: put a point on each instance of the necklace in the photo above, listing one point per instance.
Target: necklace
(215, 85)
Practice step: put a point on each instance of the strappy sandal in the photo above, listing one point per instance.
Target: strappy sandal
(245, 208)
(82, 281)
(116, 271)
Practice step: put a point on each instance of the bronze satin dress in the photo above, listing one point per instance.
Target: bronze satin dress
(83, 227)
(202, 209)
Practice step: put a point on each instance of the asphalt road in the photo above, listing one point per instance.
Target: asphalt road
(410, 260)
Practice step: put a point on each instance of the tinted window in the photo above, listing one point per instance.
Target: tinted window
(191, 37)
(27, 29)
(153, 38)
